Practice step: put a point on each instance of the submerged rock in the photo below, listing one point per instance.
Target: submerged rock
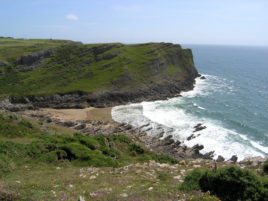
(199, 127)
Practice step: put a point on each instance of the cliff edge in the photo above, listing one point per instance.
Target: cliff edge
(75, 75)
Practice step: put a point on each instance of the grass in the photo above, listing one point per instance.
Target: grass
(90, 67)
(34, 160)
(11, 49)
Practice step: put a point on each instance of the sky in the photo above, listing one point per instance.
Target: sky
(219, 22)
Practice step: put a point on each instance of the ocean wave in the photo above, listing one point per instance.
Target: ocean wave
(212, 83)
(174, 117)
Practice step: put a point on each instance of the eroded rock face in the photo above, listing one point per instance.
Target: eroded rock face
(105, 99)
(29, 62)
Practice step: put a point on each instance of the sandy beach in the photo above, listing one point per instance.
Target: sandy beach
(90, 114)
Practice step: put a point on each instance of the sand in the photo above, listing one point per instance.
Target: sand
(93, 114)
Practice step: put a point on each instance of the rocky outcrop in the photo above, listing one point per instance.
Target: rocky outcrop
(103, 99)
(31, 61)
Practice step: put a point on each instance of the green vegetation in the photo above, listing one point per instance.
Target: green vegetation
(205, 197)
(42, 157)
(265, 167)
(228, 183)
(191, 181)
(78, 67)
(11, 49)
(39, 161)
(23, 142)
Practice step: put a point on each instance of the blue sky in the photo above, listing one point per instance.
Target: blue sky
(228, 22)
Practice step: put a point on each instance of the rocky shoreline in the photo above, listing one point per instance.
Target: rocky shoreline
(166, 145)
(92, 127)
(111, 98)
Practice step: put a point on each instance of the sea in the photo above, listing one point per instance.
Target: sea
(231, 103)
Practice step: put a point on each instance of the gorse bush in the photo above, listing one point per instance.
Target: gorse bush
(229, 184)
(191, 181)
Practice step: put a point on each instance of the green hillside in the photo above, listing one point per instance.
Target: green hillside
(88, 67)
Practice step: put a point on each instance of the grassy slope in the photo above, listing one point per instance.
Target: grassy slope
(76, 67)
(34, 158)
(11, 49)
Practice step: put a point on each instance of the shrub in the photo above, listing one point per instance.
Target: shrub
(191, 181)
(232, 183)
(136, 149)
(229, 184)
(89, 142)
(77, 151)
(265, 167)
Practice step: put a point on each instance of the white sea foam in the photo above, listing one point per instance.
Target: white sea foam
(170, 117)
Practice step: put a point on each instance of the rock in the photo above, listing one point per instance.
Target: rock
(177, 143)
(234, 158)
(209, 155)
(92, 177)
(197, 147)
(81, 198)
(69, 123)
(80, 126)
(150, 188)
(220, 159)
(168, 140)
(34, 58)
(178, 177)
(199, 127)
(203, 78)
(190, 137)
(124, 195)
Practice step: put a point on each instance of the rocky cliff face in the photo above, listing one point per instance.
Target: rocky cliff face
(163, 72)
(31, 61)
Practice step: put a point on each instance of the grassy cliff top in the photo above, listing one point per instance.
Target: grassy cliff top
(44, 67)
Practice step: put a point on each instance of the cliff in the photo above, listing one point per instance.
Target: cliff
(69, 74)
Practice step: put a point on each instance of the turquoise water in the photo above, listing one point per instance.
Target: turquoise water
(243, 105)
(232, 103)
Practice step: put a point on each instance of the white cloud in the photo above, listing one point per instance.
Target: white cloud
(72, 17)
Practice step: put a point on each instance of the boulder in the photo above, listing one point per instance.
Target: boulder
(168, 140)
(234, 158)
(220, 158)
(196, 148)
(209, 155)
(190, 137)
(199, 127)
